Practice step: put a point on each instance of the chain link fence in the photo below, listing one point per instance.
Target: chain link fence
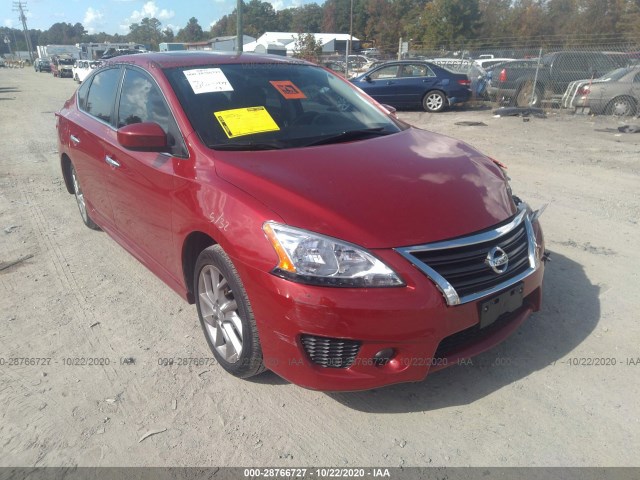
(576, 74)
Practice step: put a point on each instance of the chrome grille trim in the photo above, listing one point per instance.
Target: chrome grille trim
(448, 291)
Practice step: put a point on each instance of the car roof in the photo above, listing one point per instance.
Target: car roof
(188, 59)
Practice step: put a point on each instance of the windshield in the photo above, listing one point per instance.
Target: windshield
(269, 106)
(66, 61)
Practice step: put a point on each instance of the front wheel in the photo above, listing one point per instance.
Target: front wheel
(225, 314)
(434, 101)
(82, 206)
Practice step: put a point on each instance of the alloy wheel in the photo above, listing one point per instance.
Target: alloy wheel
(220, 313)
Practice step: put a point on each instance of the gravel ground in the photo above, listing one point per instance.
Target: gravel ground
(563, 391)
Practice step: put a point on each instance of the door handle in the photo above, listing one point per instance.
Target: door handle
(74, 139)
(390, 82)
(111, 161)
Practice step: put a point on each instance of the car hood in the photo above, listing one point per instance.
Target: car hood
(408, 188)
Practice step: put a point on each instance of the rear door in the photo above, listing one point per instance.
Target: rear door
(414, 80)
(90, 131)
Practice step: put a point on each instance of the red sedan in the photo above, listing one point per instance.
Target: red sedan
(319, 236)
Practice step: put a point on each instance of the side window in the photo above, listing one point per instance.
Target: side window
(142, 101)
(82, 95)
(414, 70)
(385, 72)
(102, 94)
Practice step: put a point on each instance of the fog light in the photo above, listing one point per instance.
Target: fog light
(383, 356)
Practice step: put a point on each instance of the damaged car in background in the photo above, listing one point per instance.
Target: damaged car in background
(319, 236)
(615, 93)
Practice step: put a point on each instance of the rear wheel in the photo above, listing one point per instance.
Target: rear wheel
(528, 96)
(82, 206)
(225, 314)
(621, 107)
(434, 101)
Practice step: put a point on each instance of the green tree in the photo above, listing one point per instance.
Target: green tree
(528, 20)
(450, 23)
(307, 48)
(307, 18)
(337, 14)
(147, 32)
(168, 35)
(223, 27)
(284, 20)
(192, 32)
(495, 17)
(384, 33)
(257, 17)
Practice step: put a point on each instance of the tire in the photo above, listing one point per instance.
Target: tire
(225, 314)
(523, 96)
(434, 101)
(82, 206)
(621, 107)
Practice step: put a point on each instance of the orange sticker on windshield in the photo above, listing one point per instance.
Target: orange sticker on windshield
(288, 89)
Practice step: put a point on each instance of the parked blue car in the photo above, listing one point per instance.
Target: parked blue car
(409, 83)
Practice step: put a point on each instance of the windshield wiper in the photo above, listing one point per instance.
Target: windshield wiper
(350, 135)
(246, 146)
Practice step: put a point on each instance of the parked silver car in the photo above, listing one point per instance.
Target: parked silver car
(615, 93)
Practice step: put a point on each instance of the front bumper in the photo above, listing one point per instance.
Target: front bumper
(415, 321)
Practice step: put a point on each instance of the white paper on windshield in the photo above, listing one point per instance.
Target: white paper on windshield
(206, 80)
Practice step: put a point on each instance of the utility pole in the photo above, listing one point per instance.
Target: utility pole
(348, 47)
(239, 32)
(21, 7)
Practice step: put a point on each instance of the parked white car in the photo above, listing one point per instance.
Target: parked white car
(487, 63)
(82, 68)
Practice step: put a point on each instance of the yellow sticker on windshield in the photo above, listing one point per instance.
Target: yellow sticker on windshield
(246, 121)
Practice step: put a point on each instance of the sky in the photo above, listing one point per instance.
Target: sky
(115, 16)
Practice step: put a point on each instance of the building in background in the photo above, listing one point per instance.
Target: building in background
(48, 51)
(219, 44)
(171, 47)
(275, 41)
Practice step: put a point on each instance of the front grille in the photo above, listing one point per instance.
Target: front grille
(331, 352)
(456, 342)
(464, 266)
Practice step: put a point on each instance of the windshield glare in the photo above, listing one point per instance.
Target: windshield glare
(273, 106)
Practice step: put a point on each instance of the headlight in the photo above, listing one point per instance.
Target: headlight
(307, 257)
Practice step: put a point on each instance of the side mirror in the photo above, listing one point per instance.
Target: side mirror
(145, 136)
(389, 108)
(367, 78)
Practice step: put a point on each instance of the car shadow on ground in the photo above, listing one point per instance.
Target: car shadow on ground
(570, 312)
(470, 106)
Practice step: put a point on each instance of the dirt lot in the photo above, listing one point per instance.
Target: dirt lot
(525, 403)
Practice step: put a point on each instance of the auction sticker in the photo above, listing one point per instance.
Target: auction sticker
(288, 89)
(206, 80)
(246, 121)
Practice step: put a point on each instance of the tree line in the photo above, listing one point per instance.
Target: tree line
(426, 24)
